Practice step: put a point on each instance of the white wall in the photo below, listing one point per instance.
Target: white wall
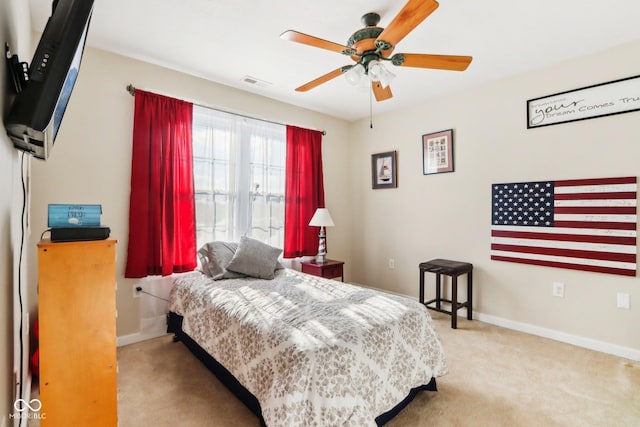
(448, 215)
(91, 160)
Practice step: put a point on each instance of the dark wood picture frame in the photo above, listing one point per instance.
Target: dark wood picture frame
(384, 170)
(437, 152)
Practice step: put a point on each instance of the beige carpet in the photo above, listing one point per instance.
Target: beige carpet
(497, 377)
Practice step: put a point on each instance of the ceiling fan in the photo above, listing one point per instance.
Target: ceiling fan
(372, 45)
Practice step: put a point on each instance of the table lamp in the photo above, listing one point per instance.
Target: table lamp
(322, 219)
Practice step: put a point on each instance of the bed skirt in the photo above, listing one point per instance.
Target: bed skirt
(174, 326)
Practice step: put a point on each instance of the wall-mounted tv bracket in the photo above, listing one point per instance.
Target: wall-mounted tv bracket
(18, 71)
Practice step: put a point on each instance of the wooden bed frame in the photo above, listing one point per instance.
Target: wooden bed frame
(174, 325)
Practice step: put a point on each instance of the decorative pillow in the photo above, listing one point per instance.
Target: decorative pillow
(254, 258)
(214, 256)
(203, 257)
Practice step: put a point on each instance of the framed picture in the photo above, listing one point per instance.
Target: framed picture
(437, 152)
(384, 170)
(604, 99)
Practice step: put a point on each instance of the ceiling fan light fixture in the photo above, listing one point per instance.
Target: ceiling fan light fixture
(386, 77)
(375, 70)
(379, 73)
(354, 75)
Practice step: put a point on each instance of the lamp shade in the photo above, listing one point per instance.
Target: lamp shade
(375, 70)
(379, 73)
(385, 77)
(322, 218)
(355, 74)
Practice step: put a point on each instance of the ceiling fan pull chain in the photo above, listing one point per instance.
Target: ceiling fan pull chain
(370, 109)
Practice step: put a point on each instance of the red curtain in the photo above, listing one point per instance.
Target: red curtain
(162, 238)
(304, 191)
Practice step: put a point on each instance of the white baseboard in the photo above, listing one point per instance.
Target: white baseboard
(150, 328)
(591, 344)
(139, 337)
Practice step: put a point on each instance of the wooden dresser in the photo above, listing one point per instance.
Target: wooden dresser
(77, 323)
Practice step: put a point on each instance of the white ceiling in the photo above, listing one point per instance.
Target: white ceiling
(226, 40)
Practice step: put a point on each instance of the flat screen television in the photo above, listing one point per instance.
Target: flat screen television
(35, 116)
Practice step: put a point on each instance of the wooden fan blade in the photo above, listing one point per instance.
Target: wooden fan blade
(379, 92)
(412, 14)
(441, 62)
(322, 79)
(297, 37)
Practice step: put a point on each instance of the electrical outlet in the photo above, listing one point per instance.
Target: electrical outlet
(623, 300)
(392, 263)
(137, 291)
(558, 289)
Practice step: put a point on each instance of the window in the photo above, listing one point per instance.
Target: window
(239, 173)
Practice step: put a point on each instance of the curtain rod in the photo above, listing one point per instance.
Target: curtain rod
(132, 90)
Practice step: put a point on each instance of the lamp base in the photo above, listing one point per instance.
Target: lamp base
(322, 246)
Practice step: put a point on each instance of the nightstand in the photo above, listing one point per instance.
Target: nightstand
(328, 269)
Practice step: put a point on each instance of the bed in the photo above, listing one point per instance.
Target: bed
(300, 350)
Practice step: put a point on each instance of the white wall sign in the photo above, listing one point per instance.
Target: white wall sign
(615, 97)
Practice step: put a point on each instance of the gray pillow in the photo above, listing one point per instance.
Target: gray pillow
(254, 258)
(214, 256)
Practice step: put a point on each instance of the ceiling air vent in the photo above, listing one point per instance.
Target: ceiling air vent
(254, 81)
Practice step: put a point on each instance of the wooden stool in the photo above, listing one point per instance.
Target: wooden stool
(452, 269)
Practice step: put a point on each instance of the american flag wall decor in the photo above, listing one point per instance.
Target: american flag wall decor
(580, 224)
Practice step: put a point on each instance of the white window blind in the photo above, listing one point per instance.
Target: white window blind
(239, 174)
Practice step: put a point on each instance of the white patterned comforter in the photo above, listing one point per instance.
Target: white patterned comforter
(314, 352)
